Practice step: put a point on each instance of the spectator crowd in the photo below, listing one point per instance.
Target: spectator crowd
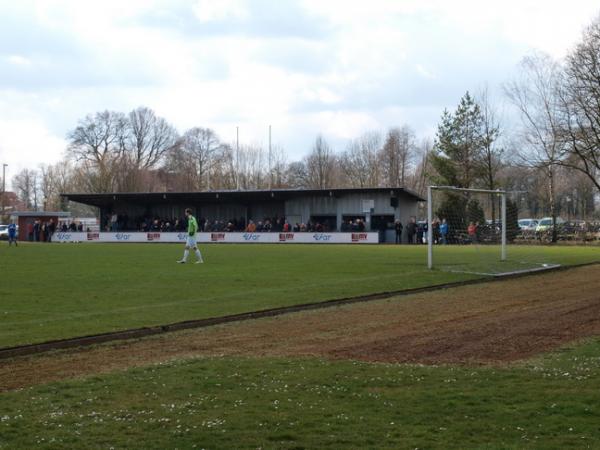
(116, 222)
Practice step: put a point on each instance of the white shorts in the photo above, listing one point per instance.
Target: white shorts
(190, 242)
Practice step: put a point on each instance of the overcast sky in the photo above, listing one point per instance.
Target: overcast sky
(336, 67)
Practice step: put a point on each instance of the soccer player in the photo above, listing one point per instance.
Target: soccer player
(191, 239)
(12, 234)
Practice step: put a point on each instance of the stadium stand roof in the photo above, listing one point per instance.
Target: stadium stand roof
(102, 200)
(40, 214)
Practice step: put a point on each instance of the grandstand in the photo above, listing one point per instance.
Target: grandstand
(378, 208)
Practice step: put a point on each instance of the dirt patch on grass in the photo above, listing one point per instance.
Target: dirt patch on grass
(480, 324)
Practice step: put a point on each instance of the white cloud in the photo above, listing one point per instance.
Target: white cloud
(18, 60)
(209, 10)
(337, 67)
(26, 143)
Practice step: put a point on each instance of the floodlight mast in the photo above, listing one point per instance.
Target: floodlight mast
(503, 219)
(429, 227)
(453, 188)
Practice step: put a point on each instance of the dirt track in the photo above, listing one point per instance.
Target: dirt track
(480, 324)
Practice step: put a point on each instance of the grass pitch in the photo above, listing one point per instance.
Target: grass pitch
(65, 290)
(283, 403)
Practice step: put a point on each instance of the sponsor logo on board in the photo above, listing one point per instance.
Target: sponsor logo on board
(153, 236)
(217, 237)
(359, 237)
(285, 237)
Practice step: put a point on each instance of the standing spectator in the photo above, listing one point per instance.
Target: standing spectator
(411, 230)
(435, 231)
(50, 229)
(41, 227)
(472, 232)
(398, 227)
(420, 231)
(30, 231)
(444, 232)
(113, 221)
(12, 234)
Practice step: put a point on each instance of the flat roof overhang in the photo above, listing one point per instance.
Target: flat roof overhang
(40, 214)
(191, 198)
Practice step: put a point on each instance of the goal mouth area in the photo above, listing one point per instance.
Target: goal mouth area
(541, 267)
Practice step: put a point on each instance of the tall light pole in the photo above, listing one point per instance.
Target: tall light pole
(237, 156)
(4, 166)
(270, 174)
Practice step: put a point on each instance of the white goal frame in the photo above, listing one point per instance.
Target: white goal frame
(430, 189)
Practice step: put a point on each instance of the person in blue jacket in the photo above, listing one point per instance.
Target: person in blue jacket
(12, 234)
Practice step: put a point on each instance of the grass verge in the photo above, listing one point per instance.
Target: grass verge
(550, 402)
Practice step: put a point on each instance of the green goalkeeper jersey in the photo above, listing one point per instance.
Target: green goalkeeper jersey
(192, 226)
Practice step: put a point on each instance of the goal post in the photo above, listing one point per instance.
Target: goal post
(469, 231)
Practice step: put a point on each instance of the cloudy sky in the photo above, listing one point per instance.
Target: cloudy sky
(336, 67)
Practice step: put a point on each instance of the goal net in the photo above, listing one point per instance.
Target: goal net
(477, 231)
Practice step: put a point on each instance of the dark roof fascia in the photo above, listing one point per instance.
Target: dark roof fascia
(40, 214)
(275, 194)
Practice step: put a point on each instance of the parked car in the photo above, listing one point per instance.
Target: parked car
(528, 225)
(546, 224)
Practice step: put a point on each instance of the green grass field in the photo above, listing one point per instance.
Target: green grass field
(242, 403)
(53, 291)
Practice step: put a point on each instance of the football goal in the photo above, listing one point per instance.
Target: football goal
(477, 231)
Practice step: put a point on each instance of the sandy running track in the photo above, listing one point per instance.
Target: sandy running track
(480, 324)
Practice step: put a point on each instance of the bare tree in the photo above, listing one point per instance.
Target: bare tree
(55, 180)
(99, 137)
(203, 146)
(278, 167)
(149, 138)
(491, 157)
(320, 165)
(296, 175)
(25, 185)
(422, 175)
(581, 103)
(396, 155)
(252, 167)
(360, 162)
(97, 143)
(535, 95)
(179, 170)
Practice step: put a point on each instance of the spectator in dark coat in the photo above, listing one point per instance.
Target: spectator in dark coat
(398, 227)
(411, 230)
